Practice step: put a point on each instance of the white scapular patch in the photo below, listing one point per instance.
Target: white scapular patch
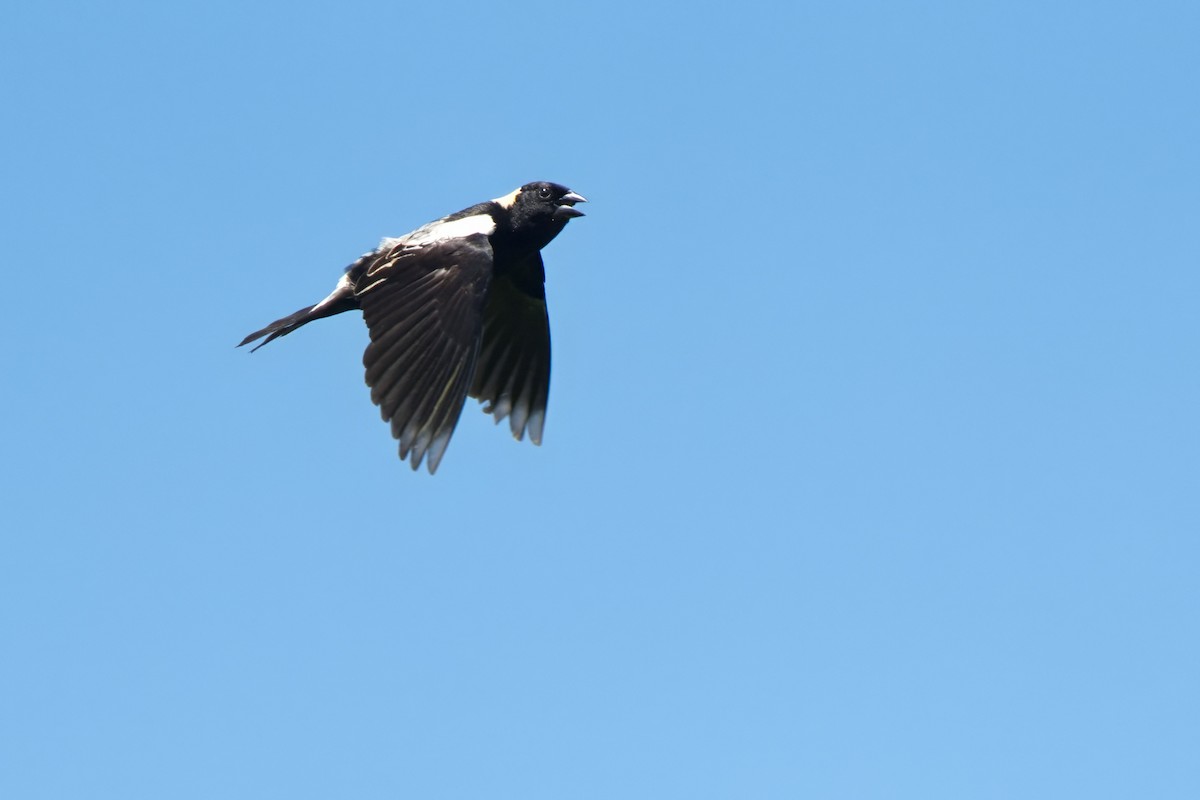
(454, 229)
(508, 200)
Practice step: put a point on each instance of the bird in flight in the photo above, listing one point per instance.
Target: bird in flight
(456, 308)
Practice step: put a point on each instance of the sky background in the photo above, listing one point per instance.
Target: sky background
(872, 457)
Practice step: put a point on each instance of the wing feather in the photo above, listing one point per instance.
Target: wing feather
(513, 376)
(424, 308)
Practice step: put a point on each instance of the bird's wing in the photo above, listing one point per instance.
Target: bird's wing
(423, 306)
(513, 375)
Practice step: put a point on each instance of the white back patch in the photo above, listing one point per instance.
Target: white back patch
(454, 229)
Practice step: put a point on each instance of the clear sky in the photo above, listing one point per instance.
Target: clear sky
(872, 461)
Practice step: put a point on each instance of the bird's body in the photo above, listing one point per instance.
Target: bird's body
(455, 308)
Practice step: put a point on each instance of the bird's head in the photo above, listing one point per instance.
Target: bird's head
(537, 212)
(544, 200)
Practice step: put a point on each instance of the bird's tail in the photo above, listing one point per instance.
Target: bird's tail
(341, 299)
(282, 327)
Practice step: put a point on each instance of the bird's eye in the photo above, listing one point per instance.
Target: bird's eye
(544, 192)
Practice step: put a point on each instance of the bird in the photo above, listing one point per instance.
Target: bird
(455, 308)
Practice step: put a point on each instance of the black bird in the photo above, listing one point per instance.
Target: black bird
(455, 308)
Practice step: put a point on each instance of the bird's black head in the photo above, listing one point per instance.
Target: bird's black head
(543, 195)
(538, 211)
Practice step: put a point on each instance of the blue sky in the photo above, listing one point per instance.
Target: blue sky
(871, 463)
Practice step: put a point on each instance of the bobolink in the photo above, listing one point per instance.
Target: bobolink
(455, 308)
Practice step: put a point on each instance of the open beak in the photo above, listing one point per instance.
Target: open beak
(567, 210)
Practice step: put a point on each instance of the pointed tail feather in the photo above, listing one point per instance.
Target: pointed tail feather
(281, 327)
(341, 299)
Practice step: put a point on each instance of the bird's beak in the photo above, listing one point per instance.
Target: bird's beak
(567, 210)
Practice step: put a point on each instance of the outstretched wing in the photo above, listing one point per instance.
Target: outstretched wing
(423, 305)
(513, 375)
